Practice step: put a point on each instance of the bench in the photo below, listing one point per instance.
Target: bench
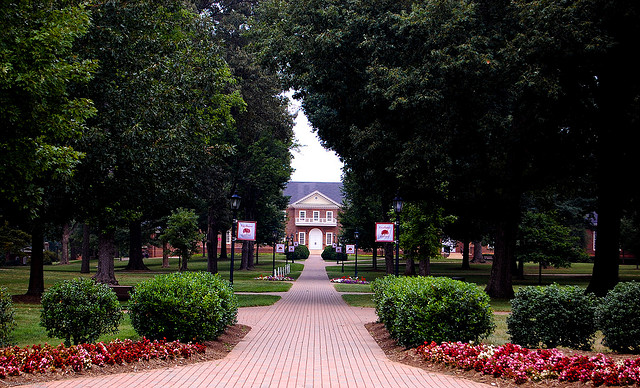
(122, 292)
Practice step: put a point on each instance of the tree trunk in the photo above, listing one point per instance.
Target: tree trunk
(136, 261)
(424, 267)
(106, 254)
(246, 262)
(500, 280)
(36, 274)
(184, 262)
(86, 249)
(66, 234)
(477, 252)
(388, 258)
(165, 254)
(410, 268)
(223, 246)
(212, 242)
(465, 254)
(375, 258)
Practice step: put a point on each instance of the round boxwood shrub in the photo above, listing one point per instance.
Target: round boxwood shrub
(301, 252)
(185, 306)
(7, 320)
(80, 310)
(618, 317)
(551, 316)
(328, 253)
(419, 309)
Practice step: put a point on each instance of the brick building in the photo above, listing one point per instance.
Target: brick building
(312, 214)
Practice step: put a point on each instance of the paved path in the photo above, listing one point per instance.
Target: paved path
(310, 338)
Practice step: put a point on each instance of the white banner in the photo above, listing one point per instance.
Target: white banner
(384, 232)
(247, 230)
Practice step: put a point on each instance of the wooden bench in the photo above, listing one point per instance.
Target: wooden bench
(122, 292)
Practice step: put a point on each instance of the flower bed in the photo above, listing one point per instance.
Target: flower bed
(349, 280)
(40, 359)
(274, 278)
(521, 364)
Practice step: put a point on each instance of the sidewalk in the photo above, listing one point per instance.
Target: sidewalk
(310, 338)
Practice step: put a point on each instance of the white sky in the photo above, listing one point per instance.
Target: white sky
(311, 162)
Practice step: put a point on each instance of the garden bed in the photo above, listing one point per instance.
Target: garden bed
(214, 350)
(410, 357)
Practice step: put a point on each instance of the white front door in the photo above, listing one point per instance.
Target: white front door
(315, 239)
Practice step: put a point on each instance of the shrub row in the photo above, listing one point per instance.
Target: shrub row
(551, 316)
(7, 320)
(419, 309)
(185, 306)
(189, 306)
(329, 253)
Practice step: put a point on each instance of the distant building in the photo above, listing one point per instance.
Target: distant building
(312, 213)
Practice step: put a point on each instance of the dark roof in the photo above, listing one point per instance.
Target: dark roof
(299, 190)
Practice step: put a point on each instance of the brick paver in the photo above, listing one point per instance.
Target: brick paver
(310, 338)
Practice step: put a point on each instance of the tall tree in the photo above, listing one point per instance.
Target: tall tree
(162, 103)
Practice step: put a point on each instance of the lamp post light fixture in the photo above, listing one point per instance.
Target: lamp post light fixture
(397, 207)
(356, 234)
(235, 205)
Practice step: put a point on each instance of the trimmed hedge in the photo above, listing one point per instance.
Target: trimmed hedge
(7, 320)
(423, 309)
(185, 306)
(552, 316)
(301, 252)
(80, 310)
(618, 316)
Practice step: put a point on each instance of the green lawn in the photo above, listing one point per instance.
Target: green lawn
(28, 332)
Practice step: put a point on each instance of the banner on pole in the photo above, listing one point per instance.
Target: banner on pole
(280, 248)
(351, 249)
(246, 230)
(384, 232)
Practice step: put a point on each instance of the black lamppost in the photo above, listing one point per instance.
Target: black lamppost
(235, 205)
(356, 234)
(397, 207)
(292, 244)
(275, 237)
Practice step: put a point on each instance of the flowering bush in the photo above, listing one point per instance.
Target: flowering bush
(349, 280)
(522, 364)
(273, 278)
(40, 359)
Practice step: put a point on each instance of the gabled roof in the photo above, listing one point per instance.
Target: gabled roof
(300, 190)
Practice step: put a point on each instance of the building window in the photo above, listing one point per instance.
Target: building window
(316, 215)
(329, 216)
(329, 237)
(301, 238)
(303, 214)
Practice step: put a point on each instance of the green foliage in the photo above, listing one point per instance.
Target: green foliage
(328, 253)
(419, 309)
(552, 316)
(50, 257)
(182, 232)
(301, 252)
(542, 239)
(7, 320)
(618, 316)
(185, 306)
(13, 240)
(38, 117)
(80, 310)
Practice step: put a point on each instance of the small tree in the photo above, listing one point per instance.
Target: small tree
(182, 234)
(542, 239)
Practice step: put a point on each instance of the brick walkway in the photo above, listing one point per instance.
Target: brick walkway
(310, 338)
